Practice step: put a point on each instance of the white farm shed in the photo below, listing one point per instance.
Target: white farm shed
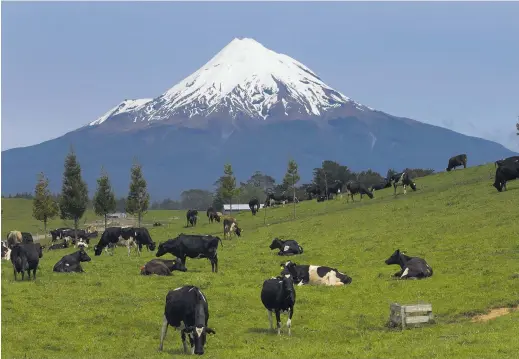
(237, 207)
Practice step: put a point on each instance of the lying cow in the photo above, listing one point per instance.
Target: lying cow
(72, 262)
(456, 161)
(286, 248)
(192, 246)
(230, 227)
(355, 187)
(254, 205)
(191, 216)
(316, 275)
(279, 295)
(58, 246)
(403, 179)
(411, 267)
(25, 258)
(162, 267)
(504, 173)
(187, 310)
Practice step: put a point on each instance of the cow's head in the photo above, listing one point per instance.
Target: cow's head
(238, 230)
(276, 243)
(413, 186)
(343, 277)
(448, 169)
(498, 185)
(83, 256)
(197, 335)
(152, 246)
(394, 259)
(166, 247)
(98, 250)
(177, 265)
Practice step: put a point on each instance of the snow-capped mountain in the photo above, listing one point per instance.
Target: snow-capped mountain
(244, 79)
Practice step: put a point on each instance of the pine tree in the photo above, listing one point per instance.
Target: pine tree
(138, 198)
(74, 192)
(228, 184)
(104, 198)
(290, 180)
(44, 207)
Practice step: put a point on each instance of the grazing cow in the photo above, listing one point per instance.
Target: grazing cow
(377, 187)
(59, 233)
(112, 235)
(213, 215)
(192, 246)
(404, 179)
(191, 216)
(187, 310)
(335, 188)
(456, 161)
(499, 163)
(162, 267)
(282, 198)
(411, 267)
(355, 187)
(317, 275)
(254, 205)
(6, 251)
(81, 244)
(230, 226)
(286, 248)
(278, 294)
(26, 257)
(143, 238)
(506, 172)
(14, 237)
(72, 262)
(58, 246)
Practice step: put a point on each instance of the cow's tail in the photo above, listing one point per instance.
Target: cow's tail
(220, 241)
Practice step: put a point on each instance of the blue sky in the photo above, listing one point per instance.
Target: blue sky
(451, 64)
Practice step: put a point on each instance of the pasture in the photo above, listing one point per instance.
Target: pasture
(458, 222)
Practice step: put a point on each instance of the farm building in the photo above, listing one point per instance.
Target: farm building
(237, 207)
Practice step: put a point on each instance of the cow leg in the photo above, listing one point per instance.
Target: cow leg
(394, 186)
(184, 344)
(128, 245)
(14, 270)
(278, 321)
(289, 321)
(163, 332)
(214, 263)
(270, 319)
(405, 191)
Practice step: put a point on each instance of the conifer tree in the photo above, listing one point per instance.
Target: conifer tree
(44, 206)
(290, 180)
(104, 198)
(228, 184)
(74, 192)
(138, 197)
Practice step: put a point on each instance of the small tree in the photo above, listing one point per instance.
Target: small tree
(104, 198)
(74, 192)
(44, 207)
(228, 184)
(138, 198)
(290, 180)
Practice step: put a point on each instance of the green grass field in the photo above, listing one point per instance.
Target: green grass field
(464, 228)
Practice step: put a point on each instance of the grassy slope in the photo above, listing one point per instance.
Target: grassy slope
(467, 231)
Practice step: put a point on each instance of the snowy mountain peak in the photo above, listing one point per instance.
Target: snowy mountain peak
(125, 106)
(243, 79)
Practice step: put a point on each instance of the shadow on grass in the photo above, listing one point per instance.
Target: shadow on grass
(262, 331)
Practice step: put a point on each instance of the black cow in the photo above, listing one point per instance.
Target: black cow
(209, 211)
(335, 188)
(254, 205)
(58, 246)
(187, 310)
(191, 216)
(456, 161)
(355, 187)
(27, 237)
(162, 267)
(143, 238)
(192, 246)
(112, 235)
(499, 163)
(506, 172)
(411, 267)
(404, 179)
(230, 226)
(213, 215)
(26, 257)
(286, 248)
(317, 275)
(382, 185)
(72, 262)
(277, 295)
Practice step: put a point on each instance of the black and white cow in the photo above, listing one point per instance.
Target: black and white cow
(499, 163)
(26, 257)
(112, 235)
(315, 275)
(72, 262)
(230, 227)
(191, 217)
(355, 187)
(335, 188)
(213, 215)
(192, 246)
(187, 310)
(162, 267)
(411, 267)
(279, 295)
(60, 233)
(254, 205)
(456, 161)
(504, 173)
(286, 248)
(281, 198)
(6, 251)
(403, 179)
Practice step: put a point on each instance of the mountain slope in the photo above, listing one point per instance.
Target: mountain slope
(249, 106)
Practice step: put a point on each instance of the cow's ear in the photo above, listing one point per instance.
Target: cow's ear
(210, 331)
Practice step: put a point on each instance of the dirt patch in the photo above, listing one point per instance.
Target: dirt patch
(494, 313)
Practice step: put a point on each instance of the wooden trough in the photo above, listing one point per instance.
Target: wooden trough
(413, 314)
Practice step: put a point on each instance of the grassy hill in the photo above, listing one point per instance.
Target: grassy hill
(464, 228)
